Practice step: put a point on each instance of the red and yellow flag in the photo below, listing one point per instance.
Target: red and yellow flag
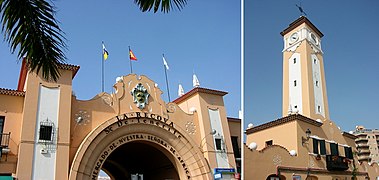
(132, 56)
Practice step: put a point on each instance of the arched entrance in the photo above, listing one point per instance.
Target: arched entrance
(140, 159)
(118, 145)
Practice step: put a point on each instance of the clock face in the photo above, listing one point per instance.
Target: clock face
(294, 37)
(314, 38)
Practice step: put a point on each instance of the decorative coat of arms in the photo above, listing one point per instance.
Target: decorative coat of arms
(140, 96)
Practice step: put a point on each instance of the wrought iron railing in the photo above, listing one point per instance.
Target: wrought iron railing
(4, 139)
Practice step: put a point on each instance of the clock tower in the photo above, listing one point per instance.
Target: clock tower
(304, 87)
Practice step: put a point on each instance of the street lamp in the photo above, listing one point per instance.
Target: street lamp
(306, 139)
(213, 132)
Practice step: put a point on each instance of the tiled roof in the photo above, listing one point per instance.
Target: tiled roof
(234, 119)
(283, 120)
(298, 22)
(351, 136)
(11, 92)
(199, 90)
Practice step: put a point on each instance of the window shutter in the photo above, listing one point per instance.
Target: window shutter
(315, 146)
(322, 147)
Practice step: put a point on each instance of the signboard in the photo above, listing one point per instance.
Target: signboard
(217, 175)
(224, 170)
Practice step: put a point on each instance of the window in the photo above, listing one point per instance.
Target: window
(236, 149)
(2, 118)
(45, 132)
(315, 146)
(294, 60)
(322, 147)
(316, 83)
(314, 61)
(269, 143)
(319, 143)
(294, 83)
(218, 143)
(334, 149)
(319, 108)
(348, 152)
(295, 106)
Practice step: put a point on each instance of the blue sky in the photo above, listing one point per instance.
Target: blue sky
(351, 58)
(203, 38)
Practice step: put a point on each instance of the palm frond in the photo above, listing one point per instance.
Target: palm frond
(29, 26)
(165, 5)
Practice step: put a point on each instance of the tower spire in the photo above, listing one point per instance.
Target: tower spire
(195, 81)
(180, 90)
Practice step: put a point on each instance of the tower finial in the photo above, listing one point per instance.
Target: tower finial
(302, 12)
(180, 90)
(195, 81)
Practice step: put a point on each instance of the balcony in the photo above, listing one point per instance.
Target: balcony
(361, 139)
(336, 163)
(364, 158)
(362, 145)
(363, 151)
(4, 144)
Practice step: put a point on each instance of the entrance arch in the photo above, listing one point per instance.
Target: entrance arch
(152, 132)
(140, 158)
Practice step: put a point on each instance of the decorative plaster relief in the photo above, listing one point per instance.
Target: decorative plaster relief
(82, 118)
(277, 160)
(190, 128)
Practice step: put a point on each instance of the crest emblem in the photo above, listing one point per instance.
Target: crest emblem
(140, 96)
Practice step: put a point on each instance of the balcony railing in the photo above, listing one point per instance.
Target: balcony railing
(4, 144)
(364, 158)
(362, 145)
(337, 163)
(4, 139)
(361, 139)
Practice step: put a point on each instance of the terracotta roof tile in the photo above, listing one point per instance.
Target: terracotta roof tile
(199, 90)
(283, 120)
(11, 92)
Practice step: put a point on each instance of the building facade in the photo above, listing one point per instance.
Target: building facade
(304, 144)
(367, 143)
(47, 133)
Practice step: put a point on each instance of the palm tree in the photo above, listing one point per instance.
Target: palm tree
(30, 28)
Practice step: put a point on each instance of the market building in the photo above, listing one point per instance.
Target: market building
(47, 133)
(304, 144)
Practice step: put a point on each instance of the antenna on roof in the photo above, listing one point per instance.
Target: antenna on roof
(302, 12)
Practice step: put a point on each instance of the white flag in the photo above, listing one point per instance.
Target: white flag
(165, 63)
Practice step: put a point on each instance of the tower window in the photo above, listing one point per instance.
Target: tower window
(316, 83)
(294, 83)
(294, 60)
(295, 107)
(269, 143)
(314, 61)
(45, 133)
(319, 108)
(218, 144)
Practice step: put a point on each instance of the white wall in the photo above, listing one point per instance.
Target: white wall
(44, 164)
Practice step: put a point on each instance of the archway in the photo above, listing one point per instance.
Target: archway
(157, 135)
(140, 159)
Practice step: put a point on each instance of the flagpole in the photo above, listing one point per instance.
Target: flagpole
(102, 68)
(165, 73)
(130, 61)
